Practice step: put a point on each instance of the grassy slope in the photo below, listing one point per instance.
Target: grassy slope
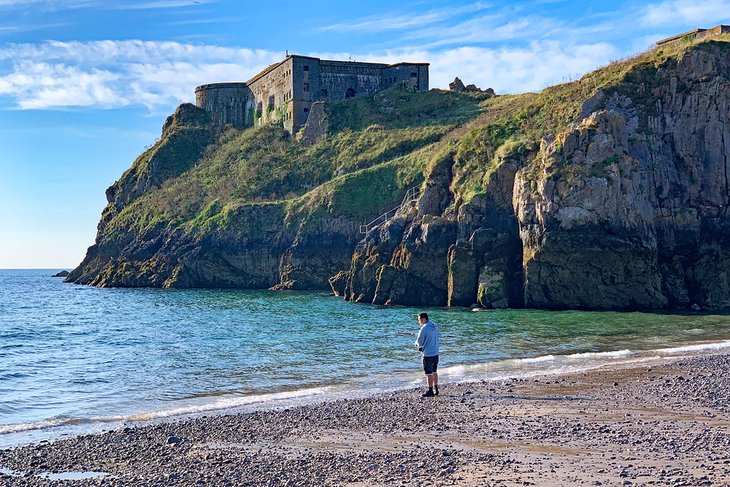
(517, 123)
(359, 170)
(378, 147)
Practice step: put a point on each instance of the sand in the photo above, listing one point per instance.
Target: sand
(660, 423)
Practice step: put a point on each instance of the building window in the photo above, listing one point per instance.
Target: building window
(350, 93)
(323, 92)
(306, 87)
(271, 102)
(306, 68)
(414, 75)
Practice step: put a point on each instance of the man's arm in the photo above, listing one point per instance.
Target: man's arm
(420, 339)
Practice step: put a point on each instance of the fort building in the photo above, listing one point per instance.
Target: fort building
(697, 34)
(286, 90)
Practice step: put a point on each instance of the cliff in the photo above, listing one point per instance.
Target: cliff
(610, 192)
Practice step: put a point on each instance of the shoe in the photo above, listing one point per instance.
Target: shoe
(436, 391)
(428, 393)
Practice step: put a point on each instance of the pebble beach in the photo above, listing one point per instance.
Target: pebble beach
(655, 423)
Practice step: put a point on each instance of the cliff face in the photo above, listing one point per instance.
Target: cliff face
(632, 203)
(625, 208)
(610, 192)
(255, 208)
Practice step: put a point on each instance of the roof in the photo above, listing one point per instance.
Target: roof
(272, 67)
(679, 36)
(230, 84)
(408, 64)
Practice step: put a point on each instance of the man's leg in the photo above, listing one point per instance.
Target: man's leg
(428, 370)
(436, 376)
(429, 381)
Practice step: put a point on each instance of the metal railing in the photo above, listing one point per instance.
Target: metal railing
(410, 198)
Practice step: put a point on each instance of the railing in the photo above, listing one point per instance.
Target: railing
(408, 200)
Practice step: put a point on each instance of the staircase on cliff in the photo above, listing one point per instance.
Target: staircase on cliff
(409, 200)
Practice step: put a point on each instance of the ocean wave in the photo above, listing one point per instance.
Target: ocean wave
(496, 370)
(697, 347)
(599, 355)
(537, 360)
(217, 404)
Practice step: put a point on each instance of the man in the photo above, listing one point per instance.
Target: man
(428, 344)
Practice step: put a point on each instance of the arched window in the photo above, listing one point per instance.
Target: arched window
(350, 93)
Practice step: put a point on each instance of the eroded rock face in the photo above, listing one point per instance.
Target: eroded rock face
(186, 134)
(245, 254)
(637, 223)
(627, 210)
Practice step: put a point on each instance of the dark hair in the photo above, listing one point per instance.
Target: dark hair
(423, 315)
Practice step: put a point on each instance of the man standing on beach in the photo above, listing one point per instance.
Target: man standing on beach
(428, 344)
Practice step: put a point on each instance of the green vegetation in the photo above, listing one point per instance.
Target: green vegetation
(513, 125)
(361, 169)
(376, 148)
(399, 108)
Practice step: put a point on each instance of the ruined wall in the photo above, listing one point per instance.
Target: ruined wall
(227, 103)
(337, 77)
(715, 31)
(272, 93)
(414, 74)
(286, 91)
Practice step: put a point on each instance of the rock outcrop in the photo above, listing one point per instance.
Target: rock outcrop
(610, 192)
(627, 209)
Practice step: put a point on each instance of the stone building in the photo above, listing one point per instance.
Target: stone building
(697, 34)
(285, 91)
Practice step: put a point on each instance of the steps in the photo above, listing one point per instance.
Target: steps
(409, 199)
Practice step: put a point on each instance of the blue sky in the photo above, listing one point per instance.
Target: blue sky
(85, 85)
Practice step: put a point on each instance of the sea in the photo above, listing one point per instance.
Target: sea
(78, 359)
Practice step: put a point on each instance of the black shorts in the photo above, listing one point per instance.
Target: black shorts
(430, 364)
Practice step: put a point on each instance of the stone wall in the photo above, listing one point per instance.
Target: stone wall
(414, 74)
(227, 103)
(272, 92)
(342, 79)
(285, 91)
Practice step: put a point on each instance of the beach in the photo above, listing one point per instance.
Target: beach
(656, 422)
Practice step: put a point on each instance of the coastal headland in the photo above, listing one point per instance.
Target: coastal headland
(607, 192)
(658, 422)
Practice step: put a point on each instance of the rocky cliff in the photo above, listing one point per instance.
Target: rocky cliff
(610, 192)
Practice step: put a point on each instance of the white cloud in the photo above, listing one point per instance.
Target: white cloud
(486, 29)
(159, 75)
(395, 21)
(109, 74)
(379, 24)
(508, 69)
(42, 85)
(46, 4)
(705, 13)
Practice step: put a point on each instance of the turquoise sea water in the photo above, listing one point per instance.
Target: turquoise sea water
(76, 358)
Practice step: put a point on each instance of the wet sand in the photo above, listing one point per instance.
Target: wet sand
(663, 423)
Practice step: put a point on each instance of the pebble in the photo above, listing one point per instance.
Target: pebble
(270, 447)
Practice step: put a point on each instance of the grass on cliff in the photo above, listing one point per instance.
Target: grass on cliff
(381, 145)
(512, 126)
(357, 172)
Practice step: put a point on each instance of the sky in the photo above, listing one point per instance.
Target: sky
(85, 85)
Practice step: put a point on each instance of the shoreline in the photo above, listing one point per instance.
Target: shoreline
(664, 422)
(59, 428)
